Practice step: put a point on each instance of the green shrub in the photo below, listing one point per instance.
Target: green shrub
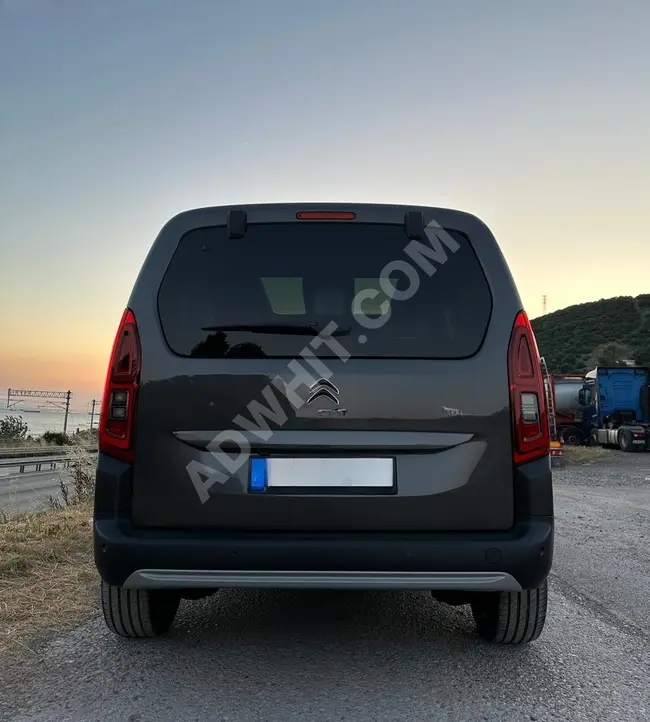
(13, 427)
(56, 437)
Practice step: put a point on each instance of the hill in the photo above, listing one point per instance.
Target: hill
(603, 332)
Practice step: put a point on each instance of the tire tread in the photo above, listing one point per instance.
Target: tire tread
(512, 617)
(137, 613)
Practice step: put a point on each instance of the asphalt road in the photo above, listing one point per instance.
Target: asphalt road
(28, 491)
(328, 657)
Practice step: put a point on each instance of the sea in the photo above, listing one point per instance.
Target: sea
(43, 420)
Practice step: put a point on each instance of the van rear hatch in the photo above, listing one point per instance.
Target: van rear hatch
(278, 345)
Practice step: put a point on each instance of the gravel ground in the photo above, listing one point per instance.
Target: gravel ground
(328, 657)
(603, 536)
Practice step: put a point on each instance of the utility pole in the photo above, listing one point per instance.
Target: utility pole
(544, 304)
(92, 411)
(68, 395)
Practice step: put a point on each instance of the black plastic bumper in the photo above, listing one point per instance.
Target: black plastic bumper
(524, 552)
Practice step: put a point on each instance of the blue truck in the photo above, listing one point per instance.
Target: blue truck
(616, 403)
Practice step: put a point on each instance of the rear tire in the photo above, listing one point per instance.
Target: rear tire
(625, 440)
(511, 617)
(572, 436)
(138, 613)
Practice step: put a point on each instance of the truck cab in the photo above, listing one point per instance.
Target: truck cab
(617, 410)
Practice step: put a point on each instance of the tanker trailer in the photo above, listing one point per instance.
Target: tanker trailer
(569, 414)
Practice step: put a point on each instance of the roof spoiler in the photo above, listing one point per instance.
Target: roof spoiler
(237, 224)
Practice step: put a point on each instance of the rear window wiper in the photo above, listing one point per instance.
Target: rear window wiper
(294, 329)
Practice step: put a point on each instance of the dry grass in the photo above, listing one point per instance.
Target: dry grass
(47, 573)
(585, 454)
(35, 444)
(85, 438)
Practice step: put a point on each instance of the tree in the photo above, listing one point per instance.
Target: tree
(642, 354)
(13, 427)
(610, 354)
(578, 333)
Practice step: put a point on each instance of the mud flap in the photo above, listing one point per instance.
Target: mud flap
(557, 455)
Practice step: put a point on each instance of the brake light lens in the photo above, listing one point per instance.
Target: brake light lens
(326, 216)
(531, 435)
(117, 418)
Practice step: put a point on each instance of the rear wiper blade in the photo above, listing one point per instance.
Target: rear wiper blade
(294, 329)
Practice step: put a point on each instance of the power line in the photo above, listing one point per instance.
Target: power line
(19, 395)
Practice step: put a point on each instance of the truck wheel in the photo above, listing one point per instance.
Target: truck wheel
(572, 436)
(137, 613)
(511, 617)
(625, 440)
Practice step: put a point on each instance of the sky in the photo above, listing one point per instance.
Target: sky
(117, 114)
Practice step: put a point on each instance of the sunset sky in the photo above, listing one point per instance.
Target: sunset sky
(116, 115)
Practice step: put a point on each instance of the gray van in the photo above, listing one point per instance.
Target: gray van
(325, 396)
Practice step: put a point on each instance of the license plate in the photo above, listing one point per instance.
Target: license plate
(323, 473)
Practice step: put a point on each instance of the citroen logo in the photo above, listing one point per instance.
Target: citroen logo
(323, 389)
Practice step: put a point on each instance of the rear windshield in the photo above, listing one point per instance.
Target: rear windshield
(261, 296)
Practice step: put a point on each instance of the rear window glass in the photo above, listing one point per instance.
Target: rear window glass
(259, 296)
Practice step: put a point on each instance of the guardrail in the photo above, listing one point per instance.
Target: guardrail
(50, 462)
(18, 453)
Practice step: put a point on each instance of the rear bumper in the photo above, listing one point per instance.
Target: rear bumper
(215, 579)
(518, 559)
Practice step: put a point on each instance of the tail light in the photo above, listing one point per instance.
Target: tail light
(531, 436)
(120, 392)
